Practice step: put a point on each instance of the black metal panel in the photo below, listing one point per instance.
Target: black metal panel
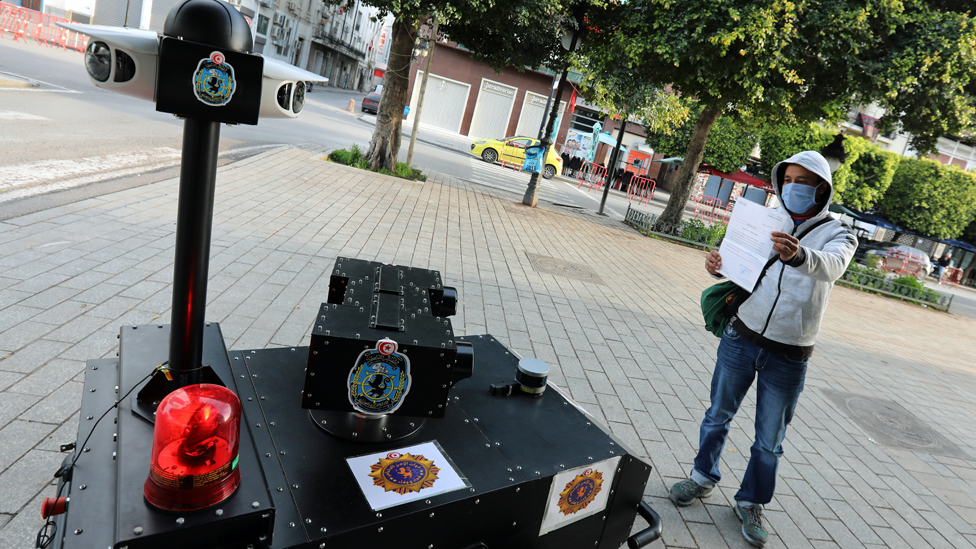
(554, 427)
(289, 530)
(91, 510)
(240, 522)
(628, 490)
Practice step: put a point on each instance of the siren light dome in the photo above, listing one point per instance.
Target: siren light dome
(195, 448)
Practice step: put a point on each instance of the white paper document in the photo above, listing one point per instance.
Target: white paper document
(747, 245)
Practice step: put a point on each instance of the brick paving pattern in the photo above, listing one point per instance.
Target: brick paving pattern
(629, 346)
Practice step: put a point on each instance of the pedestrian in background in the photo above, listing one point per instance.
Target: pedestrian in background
(771, 338)
(944, 261)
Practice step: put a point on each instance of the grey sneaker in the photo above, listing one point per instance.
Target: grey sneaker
(752, 524)
(687, 491)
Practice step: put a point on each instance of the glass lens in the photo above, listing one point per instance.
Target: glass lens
(98, 61)
(284, 95)
(298, 103)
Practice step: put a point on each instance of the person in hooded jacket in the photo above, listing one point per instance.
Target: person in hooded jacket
(771, 339)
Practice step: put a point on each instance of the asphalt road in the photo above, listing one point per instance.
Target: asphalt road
(67, 140)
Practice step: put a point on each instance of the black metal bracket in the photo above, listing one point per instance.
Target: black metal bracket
(653, 531)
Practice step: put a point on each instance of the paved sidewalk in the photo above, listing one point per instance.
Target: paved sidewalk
(627, 342)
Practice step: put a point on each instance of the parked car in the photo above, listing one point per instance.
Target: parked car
(378, 88)
(512, 150)
(371, 103)
(919, 262)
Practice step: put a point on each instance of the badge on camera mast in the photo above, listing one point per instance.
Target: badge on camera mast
(380, 380)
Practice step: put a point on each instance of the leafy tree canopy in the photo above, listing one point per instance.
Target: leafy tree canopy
(781, 141)
(864, 177)
(930, 198)
(731, 141)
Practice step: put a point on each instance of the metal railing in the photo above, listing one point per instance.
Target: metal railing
(24, 23)
(689, 231)
(867, 281)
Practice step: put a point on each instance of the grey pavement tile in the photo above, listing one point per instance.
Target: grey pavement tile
(841, 535)
(707, 535)
(904, 529)
(67, 432)
(32, 356)
(946, 530)
(675, 533)
(23, 334)
(61, 313)
(851, 518)
(97, 345)
(20, 482)
(21, 530)
(74, 330)
(9, 378)
(802, 517)
(787, 533)
(49, 298)
(44, 380)
(9, 297)
(16, 314)
(18, 438)
(114, 307)
(56, 407)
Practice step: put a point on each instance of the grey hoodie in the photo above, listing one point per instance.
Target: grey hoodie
(789, 302)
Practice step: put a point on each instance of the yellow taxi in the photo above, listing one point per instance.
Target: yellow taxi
(512, 150)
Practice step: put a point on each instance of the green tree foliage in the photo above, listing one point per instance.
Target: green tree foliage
(730, 142)
(864, 177)
(800, 61)
(781, 141)
(501, 33)
(930, 198)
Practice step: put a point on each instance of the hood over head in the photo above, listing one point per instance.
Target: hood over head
(813, 161)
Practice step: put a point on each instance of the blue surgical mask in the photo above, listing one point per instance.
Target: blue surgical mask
(799, 198)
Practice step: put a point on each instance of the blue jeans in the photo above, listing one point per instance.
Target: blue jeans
(779, 386)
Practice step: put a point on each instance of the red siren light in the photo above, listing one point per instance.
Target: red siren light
(195, 448)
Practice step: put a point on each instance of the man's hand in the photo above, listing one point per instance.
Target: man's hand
(713, 262)
(785, 245)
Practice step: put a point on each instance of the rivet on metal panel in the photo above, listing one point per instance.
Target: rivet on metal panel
(357, 336)
(291, 524)
(379, 515)
(380, 529)
(86, 449)
(83, 486)
(476, 419)
(432, 515)
(308, 521)
(443, 386)
(255, 504)
(280, 489)
(90, 418)
(323, 530)
(92, 390)
(412, 425)
(78, 532)
(517, 490)
(355, 434)
(311, 374)
(316, 352)
(268, 454)
(180, 520)
(611, 452)
(237, 358)
(324, 422)
(219, 512)
(440, 405)
(257, 425)
(513, 524)
(511, 479)
(561, 466)
(262, 398)
(389, 436)
(137, 530)
(487, 445)
(477, 501)
(271, 424)
(282, 452)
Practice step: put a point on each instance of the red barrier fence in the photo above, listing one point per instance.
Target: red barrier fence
(592, 174)
(709, 209)
(952, 276)
(23, 23)
(642, 188)
(903, 263)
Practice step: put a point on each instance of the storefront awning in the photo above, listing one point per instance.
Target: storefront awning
(740, 177)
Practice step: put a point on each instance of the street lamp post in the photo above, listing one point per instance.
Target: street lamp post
(531, 198)
(614, 160)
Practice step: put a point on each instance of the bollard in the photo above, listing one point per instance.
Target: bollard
(351, 107)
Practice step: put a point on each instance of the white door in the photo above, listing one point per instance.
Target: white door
(533, 107)
(493, 110)
(444, 101)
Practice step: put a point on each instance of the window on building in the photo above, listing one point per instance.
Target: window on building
(262, 25)
(583, 120)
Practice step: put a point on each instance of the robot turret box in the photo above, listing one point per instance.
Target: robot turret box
(383, 344)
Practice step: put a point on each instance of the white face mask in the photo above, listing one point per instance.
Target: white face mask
(799, 198)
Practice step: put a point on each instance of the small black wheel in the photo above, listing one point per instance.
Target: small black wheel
(489, 156)
(549, 172)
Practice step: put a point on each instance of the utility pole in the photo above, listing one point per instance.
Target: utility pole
(423, 88)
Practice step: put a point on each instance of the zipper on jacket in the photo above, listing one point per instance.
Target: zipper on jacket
(779, 291)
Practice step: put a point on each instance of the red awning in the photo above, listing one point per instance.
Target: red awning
(740, 177)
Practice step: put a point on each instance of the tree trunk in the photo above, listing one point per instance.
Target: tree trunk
(384, 146)
(689, 169)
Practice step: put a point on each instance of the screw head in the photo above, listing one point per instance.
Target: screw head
(219, 512)
(78, 531)
(255, 505)
(180, 520)
(137, 530)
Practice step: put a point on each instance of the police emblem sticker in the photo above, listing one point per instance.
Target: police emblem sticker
(213, 81)
(380, 380)
(404, 473)
(578, 493)
(392, 478)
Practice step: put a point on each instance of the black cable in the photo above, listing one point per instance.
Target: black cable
(44, 538)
